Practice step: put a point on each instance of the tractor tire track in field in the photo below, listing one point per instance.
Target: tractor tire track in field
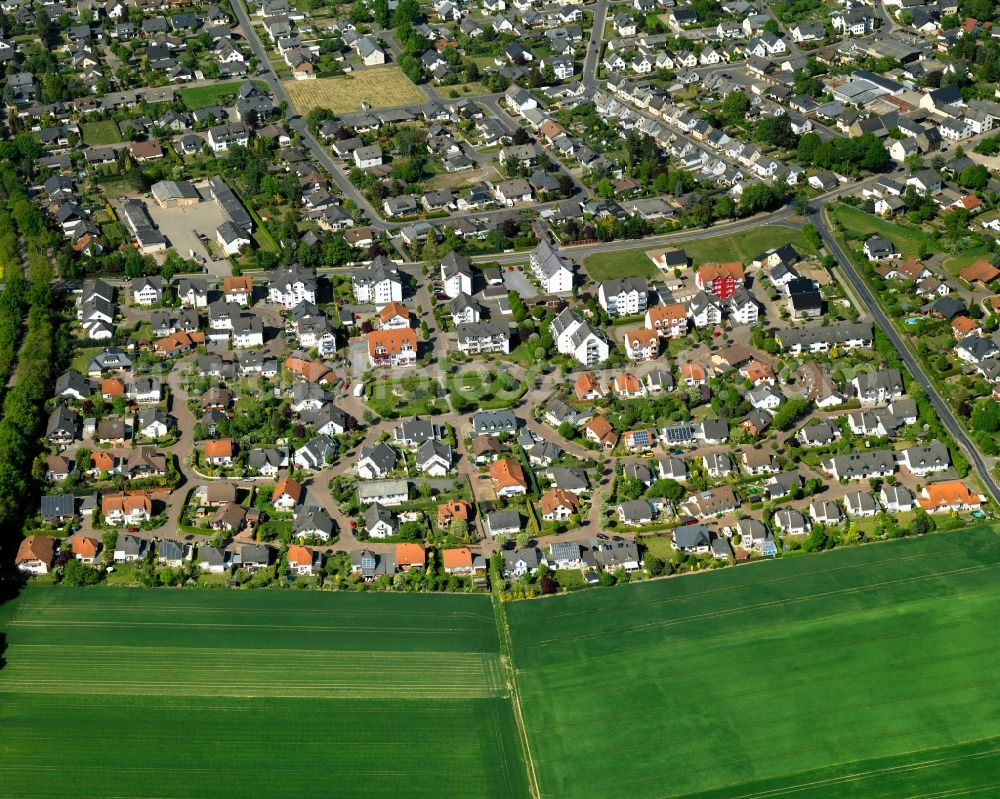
(772, 793)
(703, 594)
(773, 603)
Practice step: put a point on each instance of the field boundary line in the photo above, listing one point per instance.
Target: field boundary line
(507, 661)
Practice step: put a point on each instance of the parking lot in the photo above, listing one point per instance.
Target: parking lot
(181, 227)
(517, 281)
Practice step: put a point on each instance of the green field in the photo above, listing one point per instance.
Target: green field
(861, 672)
(96, 134)
(125, 693)
(860, 226)
(212, 94)
(743, 246)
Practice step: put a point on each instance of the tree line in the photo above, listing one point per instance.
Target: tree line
(43, 349)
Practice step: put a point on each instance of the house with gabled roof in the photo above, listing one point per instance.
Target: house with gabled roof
(508, 478)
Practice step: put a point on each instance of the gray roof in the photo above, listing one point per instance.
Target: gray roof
(807, 335)
(72, 380)
(57, 506)
(926, 456)
(503, 520)
(371, 489)
(881, 379)
(690, 536)
(431, 450)
(565, 550)
(860, 464)
(213, 556)
(313, 519)
(568, 479)
(170, 550)
(494, 422)
(637, 510)
(417, 430)
(530, 556)
(379, 513)
(381, 454)
(789, 519)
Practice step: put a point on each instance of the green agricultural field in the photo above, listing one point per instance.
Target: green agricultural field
(855, 673)
(124, 692)
(743, 246)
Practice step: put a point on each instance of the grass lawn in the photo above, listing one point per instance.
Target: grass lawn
(473, 89)
(81, 358)
(865, 670)
(859, 226)
(201, 96)
(100, 133)
(404, 397)
(623, 263)
(658, 545)
(484, 389)
(956, 263)
(743, 246)
(380, 87)
(293, 691)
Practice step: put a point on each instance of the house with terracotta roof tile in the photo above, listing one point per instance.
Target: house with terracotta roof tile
(238, 289)
(642, 345)
(627, 386)
(558, 505)
(669, 321)
(639, 440)
(508, 478)
(220, 453)
(287, 494)
(962, 326)
(452, 510)
(693, 374)
(130, 509)
(303, 561)
(980, 272)
(953, 495)
(410, 556)
(758, 373)
(84, 548)
(720, 279)
(599, 430)
(392, 348)
(457, 560)
(36, 554)
(587, 388)
(178, 343)
(394, 316)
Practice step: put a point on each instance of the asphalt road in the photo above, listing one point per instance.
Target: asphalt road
(942, 409)
(298, 123)
(594, 46)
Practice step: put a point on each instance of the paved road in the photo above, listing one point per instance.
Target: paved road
(347, 188)
(592, 58)
(916, 369)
